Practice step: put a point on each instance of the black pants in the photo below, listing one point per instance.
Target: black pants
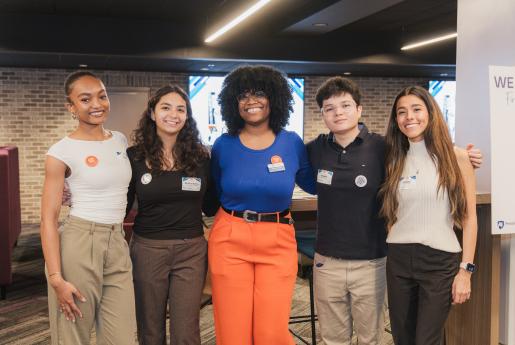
(173, 271)
(419, 282)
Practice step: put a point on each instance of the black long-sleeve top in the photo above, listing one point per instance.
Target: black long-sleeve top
(170, 204)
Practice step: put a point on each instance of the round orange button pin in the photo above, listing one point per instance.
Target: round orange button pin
(91, 161)
(276, 159)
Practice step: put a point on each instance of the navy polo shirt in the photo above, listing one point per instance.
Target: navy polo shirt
(348, 180)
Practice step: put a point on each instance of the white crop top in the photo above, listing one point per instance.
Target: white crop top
(100, 176)
(423, 215)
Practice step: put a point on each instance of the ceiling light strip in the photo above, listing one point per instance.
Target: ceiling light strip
(237, 20)
(431, 41)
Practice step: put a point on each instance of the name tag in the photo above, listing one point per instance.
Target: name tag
(275, 167)
(325, 177)
(191, 183)
(408, 182)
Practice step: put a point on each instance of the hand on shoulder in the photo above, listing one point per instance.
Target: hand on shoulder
(463, 158)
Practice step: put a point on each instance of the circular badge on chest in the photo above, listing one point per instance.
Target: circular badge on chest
(360, 181)
(276, 159)
(91, 161)
(146, 178)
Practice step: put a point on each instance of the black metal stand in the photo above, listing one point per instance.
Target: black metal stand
(312, 318)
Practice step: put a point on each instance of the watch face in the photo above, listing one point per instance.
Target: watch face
(471, 268)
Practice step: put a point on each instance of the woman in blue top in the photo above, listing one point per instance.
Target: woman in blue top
(252, 248)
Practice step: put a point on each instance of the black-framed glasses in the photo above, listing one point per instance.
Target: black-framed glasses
(256, 94)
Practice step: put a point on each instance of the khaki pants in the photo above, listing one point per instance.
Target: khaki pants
(95, 258)
(347, 292)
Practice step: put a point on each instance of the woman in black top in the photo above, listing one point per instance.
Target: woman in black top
(170, 178)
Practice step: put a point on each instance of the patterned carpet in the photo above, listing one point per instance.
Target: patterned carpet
(24, 318)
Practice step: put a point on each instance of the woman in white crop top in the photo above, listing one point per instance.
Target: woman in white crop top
(88, 268)
(429, 190)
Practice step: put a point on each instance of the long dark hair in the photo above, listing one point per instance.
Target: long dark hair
(188, 151)
(256, 78)
(439, 146)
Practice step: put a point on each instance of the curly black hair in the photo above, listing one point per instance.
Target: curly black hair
(256, 78)
(188, 152)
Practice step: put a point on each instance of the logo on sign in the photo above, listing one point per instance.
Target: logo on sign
(500, 224)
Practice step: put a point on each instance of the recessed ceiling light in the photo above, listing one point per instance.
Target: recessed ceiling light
(320, 25)
(211, 65)
(347, 73)
(204, 69)
(443, 74)
(430, 41)
(237, 20)
(83, 65)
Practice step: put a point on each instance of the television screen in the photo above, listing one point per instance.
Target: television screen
(444, 93)
(204, 92)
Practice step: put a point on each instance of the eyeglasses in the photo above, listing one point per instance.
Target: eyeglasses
(331, 110)
(245, 96)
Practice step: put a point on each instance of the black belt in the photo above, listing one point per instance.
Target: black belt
(252, 217)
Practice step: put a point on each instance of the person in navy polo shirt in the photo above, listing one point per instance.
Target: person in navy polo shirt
(350, 258)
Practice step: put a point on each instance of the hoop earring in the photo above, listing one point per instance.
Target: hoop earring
(74, 116)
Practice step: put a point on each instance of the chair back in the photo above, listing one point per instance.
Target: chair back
(10, 210)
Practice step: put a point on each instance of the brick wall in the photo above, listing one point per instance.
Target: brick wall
(33, 117)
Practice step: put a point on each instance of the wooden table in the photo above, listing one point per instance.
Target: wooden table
(304, 210)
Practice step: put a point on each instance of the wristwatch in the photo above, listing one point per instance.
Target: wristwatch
(468, 267)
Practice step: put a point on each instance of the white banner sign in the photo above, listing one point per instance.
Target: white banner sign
(502, 134)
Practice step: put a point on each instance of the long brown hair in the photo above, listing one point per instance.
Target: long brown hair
(440, 148)
(188, 152)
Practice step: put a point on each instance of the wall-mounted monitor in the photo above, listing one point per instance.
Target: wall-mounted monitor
(204, 92)
(444, 93)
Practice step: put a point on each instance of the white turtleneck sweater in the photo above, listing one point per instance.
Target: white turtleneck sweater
(423, 215)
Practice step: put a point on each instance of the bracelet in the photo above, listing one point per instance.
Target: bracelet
(53, 274)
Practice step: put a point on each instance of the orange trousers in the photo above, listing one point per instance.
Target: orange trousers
(253, 270)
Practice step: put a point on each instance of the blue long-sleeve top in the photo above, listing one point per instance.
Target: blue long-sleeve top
(242, 177)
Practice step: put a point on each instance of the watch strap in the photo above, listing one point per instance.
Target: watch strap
(468, 267)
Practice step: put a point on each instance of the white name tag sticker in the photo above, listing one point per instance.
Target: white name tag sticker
(325, 177)
(275, 167)
(408, 182)
(191, 183)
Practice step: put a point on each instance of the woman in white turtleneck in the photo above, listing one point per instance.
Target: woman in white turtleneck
(429, 190)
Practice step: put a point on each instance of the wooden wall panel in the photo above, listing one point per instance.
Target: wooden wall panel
(477, 321)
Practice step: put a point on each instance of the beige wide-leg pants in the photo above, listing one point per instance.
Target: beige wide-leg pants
(95, 258)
